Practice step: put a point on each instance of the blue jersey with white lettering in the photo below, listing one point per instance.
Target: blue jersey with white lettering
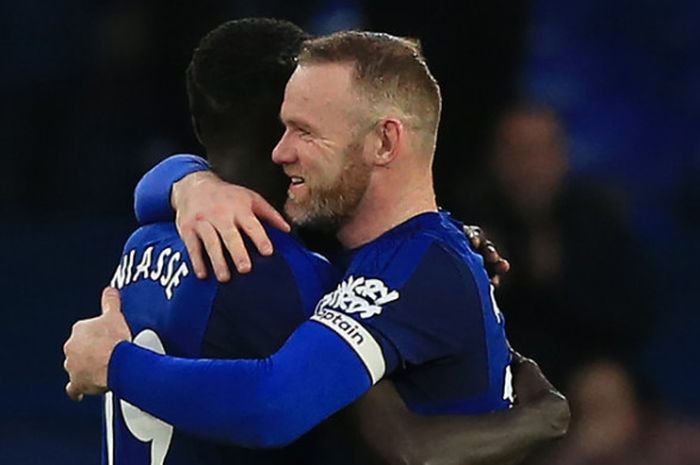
(414, 305)
(411, 307)
(171, 311)
(425, 297)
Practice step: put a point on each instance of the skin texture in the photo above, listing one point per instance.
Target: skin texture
(322, 100)
(94, 339)
(324, 151)
(229, 212)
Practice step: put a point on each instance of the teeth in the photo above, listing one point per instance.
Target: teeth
(297, 180)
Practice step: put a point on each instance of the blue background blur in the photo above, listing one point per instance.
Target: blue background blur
(93, 95)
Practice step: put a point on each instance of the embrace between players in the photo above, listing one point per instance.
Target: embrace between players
(393, 351)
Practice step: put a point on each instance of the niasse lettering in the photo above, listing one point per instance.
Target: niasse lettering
(168, 270)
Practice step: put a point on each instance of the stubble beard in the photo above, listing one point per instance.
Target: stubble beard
(329, 206)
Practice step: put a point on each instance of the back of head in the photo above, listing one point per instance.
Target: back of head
(235, 84)
(389, 72)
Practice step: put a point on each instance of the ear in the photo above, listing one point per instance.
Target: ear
(390, 133)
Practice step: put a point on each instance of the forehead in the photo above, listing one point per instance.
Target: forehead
(320, 90)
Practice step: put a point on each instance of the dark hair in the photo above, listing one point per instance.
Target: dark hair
(235, 84)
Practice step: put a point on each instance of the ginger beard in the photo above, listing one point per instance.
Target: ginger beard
(328, 203)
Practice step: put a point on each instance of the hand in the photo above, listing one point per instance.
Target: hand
(496, 266)
(534, 391)
(90, 347)
(210, 211)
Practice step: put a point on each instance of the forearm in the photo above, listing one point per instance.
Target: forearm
(504, 437)
(498, 438)
(253, 403)
(395, 435)
(152, 193)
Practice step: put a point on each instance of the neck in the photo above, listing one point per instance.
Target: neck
(391, 199)
(251, 166)
(227, 162)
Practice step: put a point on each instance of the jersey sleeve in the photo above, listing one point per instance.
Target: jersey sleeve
(420, 310)
(267, 402)
(152, 193)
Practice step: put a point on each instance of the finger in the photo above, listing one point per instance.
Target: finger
(194, 249)
(236, 248)
(73, 392)
(67, 343)
(111, 301)
(474, 235)
(472, 230)
(212, 244)
(490, 253)
(263, 210)
(257, 234)
(502, 266)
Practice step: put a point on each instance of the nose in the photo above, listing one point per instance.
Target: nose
(284, 152)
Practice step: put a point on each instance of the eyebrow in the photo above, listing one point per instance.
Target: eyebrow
(296, 123)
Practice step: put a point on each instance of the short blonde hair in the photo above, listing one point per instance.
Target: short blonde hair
(390, 72)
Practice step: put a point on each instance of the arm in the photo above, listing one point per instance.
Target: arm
(254, 403)
(168, 187)
(209, 212)
(392, 434)
(152, 193)
(326, 364)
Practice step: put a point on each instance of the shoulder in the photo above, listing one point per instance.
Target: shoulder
(427, 244)
(155, 237)
(152, 231)
(304, 263)
(292, 270)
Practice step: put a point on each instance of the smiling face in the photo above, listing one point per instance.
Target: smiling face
(323, 147)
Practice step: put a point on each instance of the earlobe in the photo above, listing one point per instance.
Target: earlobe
(390, 132)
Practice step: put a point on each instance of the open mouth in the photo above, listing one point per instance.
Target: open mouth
(296, 182)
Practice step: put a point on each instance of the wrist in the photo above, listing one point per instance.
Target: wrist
(113, 363)
(549, 416)
(181, 188)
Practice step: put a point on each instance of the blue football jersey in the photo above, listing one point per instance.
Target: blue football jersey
(424, 297)
(414, 305)
(171, 311)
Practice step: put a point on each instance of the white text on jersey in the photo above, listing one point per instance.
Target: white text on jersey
(169, 275)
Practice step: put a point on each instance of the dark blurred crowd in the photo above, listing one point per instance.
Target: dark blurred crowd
(567, 135)
(581, 297)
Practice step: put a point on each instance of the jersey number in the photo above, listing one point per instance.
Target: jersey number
(508, 385)
(143, 426)
(508, 376)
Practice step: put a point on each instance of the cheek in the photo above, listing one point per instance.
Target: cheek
(323, 165)
(331, 170)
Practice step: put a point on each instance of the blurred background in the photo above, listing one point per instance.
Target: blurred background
(569, 133)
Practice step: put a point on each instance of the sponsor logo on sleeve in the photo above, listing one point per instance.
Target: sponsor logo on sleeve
(364, 296)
